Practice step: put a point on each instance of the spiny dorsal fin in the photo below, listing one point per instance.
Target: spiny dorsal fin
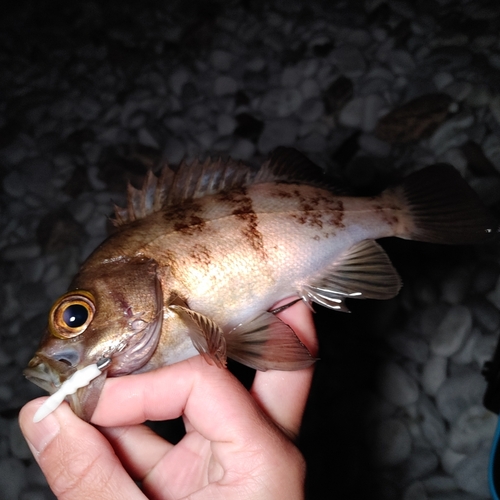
(189, 181)
(288, 164)
(197, 179)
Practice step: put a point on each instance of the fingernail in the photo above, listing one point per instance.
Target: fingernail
(40, 434)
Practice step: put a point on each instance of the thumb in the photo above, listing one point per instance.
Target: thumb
(76, 459)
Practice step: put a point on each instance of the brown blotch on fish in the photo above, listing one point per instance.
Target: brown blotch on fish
(201, 256)
(246, 213)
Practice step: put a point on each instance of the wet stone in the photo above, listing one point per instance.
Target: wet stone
(414, 120)
(278, 133)
(416, 491)
(471, 474)
(349, 61)
(452, 331)
(18, 445)
(57, 230)
(338, 94)
(392, 443)
(420, 464)
(281, 102)
(397, 386)
(474, 426)
(459, 393)
(11, 478)
(431, 423)
(434, 374)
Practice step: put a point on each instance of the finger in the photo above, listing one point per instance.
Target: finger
(76, 458)
(283, 395)
(207, 395)
(138, 448)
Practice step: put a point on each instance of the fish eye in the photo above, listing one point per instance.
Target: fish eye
(71, 314)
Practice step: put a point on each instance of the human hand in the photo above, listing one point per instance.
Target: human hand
(237, 444)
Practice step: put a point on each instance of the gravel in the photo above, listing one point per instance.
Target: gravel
(96, 93)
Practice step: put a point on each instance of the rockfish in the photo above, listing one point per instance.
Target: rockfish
(201, 255)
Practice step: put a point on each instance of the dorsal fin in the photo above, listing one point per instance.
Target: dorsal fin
(198, 179)
(288, 164)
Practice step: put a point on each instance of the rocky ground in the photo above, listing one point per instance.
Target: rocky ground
(92, 94)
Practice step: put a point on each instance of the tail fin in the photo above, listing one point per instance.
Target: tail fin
(443, 208)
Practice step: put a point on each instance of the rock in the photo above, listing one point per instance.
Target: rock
(421, 463)
(477, 161)
(278, 133)
(434, 374)
(18, 445)
(485, 314)
(14, 184)
(471, 474)
(466, 354)
(349, 61)
(416, 491)
(450, 134)
(431, 423)
(459, 393)
(291, 76)
(456, 285)
(226, 124)
(248, 126)
(352, 113)
(392, 443)
(442, 79)
(338, 94)
(57, 230)
(242, 149)
(311, 110)
(450, 459)
(281, 102)
(178, 79)
(11, 478)
(309, 88)
(402, 62)
(221, 60)
(479, 96)
(225, 85)
(88, 108)
(20, 251)
(373, 105)
(495, 107)
(414, 120)
(452, 331)
(374, 146)
(474, 426)
(439, 483)
(397, 386)
(491, 148)
(458, 91)
(174, 150)
(409, 346)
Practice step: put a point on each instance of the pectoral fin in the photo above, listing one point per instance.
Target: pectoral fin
(206, 335)
(363, 272)
(266, 343)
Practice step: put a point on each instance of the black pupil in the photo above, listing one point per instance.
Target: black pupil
(75, 315)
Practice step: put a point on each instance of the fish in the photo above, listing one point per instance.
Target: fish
(201, 254)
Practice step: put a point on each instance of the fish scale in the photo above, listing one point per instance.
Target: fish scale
(201, 255)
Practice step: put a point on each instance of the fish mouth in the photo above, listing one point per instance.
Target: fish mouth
(46, 376)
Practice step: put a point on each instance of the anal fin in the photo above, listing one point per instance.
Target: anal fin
(266, 343)
(362, 272)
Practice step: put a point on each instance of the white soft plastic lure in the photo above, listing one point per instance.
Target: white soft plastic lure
(81, 378)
